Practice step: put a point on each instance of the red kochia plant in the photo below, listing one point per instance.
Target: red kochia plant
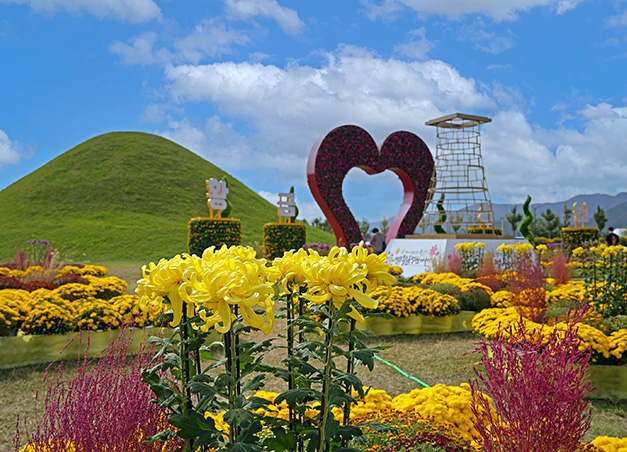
(561, 272)
(527, 287)
(455, 263)
(105, 407)
(537, 387)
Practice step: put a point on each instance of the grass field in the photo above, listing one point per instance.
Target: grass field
(124, 196)
(432, 358)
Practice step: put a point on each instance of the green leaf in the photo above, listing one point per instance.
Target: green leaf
(242, 447)
(281, 441)
(337, 396)
(348, 432)
(296, 396)
(352, 380)
(238, 416)
(379, 427)
(248, 433)
(195, 426)
(163, 436)
(365, 356)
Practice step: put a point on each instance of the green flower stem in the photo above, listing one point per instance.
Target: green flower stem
(184, 354)
(291, 384)
(229, 350)
(350, 367)
(324, 403)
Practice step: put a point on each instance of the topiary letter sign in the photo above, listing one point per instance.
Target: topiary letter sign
(347, 147)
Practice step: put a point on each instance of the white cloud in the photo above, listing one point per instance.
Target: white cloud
(418, 47)
(140, 50)
(498, 10)
(134, 11)
(485, 41)
(209, 38)
(276, 114)
(287, 18)
(285, 110)
(619, 20)
(555, 164)
(9, 150)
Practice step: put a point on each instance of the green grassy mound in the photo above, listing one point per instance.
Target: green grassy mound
(123, 196)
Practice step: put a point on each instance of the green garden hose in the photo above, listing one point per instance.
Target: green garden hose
(402, 372)
(524, 226)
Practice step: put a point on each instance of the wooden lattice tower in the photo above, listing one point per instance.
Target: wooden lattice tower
(458, 187)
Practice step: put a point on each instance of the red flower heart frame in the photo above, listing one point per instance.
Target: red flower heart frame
(348, 147)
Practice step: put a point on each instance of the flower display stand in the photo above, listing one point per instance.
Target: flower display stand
(611, 381)
(16, 351)
(419, 324)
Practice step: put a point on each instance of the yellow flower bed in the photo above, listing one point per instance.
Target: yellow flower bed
(610, 444)
(447, 406)
(574, 290)
(490, 322)
(87, 270)
(406, 301)
(501, 299)
(99, 305)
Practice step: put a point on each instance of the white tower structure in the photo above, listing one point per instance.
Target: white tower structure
(458, 194)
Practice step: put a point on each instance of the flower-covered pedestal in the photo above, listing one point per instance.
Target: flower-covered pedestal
(17, 351)
(281, 237)
(418, 324)
(206, 232)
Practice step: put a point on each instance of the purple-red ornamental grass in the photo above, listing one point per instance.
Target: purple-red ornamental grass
(537, 387)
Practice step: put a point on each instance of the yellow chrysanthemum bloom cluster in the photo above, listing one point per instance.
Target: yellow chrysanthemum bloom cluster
(431, 279)
(127, 307)
(106, 287)
(396, 270)
(491, 322)
(49, 315)
(501, 299)
(75, 291)
(343, 276)
(406, 301)
(610, 444)
(573, 290)
(87, 270)
(447, 406)
(469, 246)
(96, 314)
(210, 286)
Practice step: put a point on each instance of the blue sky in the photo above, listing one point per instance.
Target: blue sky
(250, 85)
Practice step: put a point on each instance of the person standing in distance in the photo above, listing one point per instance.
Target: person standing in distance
(377, 241)
(612, 239)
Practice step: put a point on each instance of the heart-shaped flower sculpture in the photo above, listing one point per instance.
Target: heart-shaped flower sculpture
(348, 147)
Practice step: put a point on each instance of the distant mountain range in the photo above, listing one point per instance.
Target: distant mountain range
(615, 208)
